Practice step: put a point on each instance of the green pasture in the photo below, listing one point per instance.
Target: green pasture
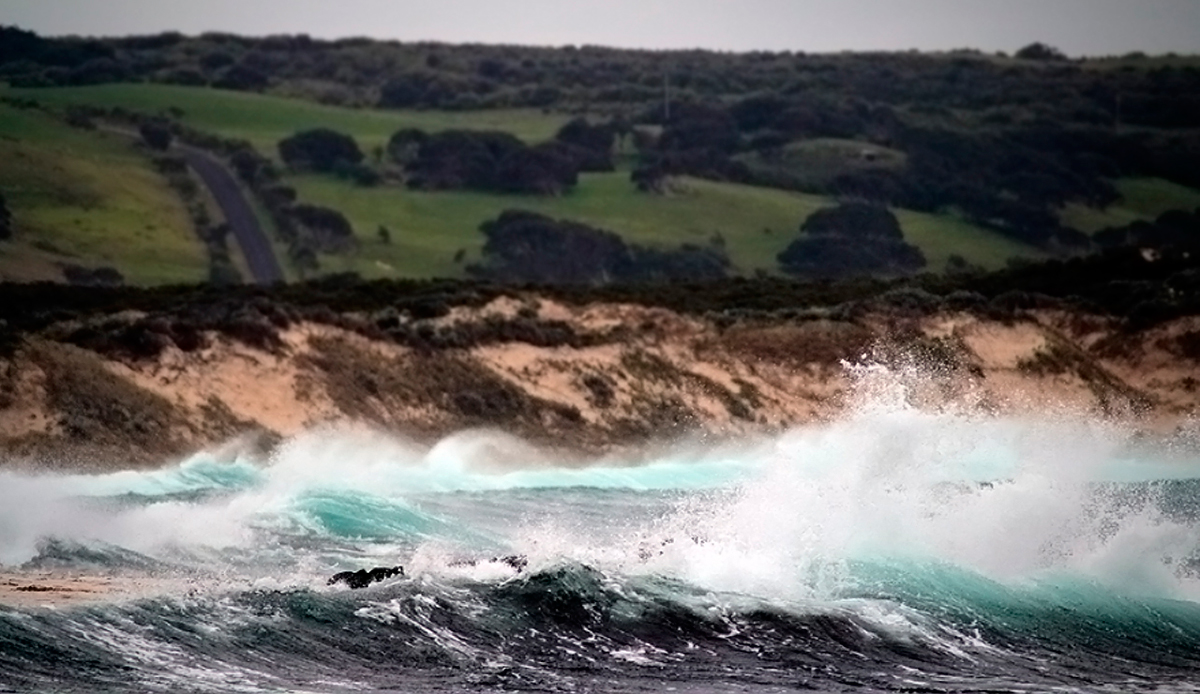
(91, 199)
(429, 228)
(1141, 199)
(819, 161)
(264, 120)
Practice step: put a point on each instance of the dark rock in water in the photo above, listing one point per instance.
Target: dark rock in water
(363, 578)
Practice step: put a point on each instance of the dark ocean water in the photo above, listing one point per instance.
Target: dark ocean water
(896, 551)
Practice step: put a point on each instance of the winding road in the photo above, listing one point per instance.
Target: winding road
(239, 213)
(256, 248)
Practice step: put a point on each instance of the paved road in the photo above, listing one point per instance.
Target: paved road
(238, 213)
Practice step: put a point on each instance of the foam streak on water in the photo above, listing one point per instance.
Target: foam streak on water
(896, 549)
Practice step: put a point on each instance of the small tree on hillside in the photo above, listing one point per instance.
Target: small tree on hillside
(1040, 51)
(320, 149)
(157, 136)
(328, 230)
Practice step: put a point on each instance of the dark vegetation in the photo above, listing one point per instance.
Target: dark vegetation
(156, 135)
(1141, 288)
(485, 161)
(99, 409)
(498, 162)
(1004, 142)
(362, 383)
(526, 247)
(321, 149)
(851, 239)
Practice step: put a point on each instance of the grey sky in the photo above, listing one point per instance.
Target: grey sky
(1078, 27)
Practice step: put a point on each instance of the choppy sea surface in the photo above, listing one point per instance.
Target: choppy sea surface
(892, 551)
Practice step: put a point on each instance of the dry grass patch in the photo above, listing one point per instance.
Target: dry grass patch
(99, 410)
(822, 342)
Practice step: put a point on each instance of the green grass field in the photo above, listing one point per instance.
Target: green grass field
(817, 162)
(91, 199)
(265, 120)
(1141, 199)
(429, 228)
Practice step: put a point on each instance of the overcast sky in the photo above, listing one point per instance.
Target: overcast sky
(1078, 27)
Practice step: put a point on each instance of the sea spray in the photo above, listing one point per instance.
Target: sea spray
(895, 548)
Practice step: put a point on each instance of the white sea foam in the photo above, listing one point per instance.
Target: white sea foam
(1011, 500)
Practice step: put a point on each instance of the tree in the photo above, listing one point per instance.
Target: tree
(328, 229)
(589, 145)
(580, 133)
(5, 219)
(528, 247)
(1040, 51)
(851, 239)
(485, 160)
(156, 135)
(251, 166)
(404, 145)
(854, 220)
(320, 149)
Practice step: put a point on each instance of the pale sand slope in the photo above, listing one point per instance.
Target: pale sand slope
(636, 374)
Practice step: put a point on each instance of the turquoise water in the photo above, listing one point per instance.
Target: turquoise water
(893, 550)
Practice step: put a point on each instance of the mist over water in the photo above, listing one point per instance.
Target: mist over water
(893, 549)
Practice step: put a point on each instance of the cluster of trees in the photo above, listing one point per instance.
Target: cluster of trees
(485, 161)
(526, 247)
(407, 75)
(1010, 177)
(500, 162)
(327, 151)
(308, 230)
(320, 149)
(848, 240)
(1003, 141)
(489, 161)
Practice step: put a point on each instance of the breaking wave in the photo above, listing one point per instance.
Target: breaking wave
(894, 550)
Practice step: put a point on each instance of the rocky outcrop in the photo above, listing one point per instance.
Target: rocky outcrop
(362, 578)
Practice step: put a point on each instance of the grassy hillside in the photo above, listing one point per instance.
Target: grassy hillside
(91, 199)
(1141, 199)
(429, 228)
(265, 120)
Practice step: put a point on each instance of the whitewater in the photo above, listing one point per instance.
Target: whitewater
(893, 550)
